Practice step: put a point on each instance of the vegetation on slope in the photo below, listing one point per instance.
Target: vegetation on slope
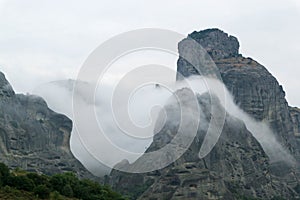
(21, 185)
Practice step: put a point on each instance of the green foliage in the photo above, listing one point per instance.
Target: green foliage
(21, 183)
(67, 191)
(10, 193)
(56, 196)
(65, 183)
(57, 182)
(56, 187)
(42, 191)
(4, 174)
(90, 190)
(39, 179)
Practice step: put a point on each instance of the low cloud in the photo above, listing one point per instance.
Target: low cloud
(59, 98)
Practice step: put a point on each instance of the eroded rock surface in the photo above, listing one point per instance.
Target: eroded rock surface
(34, 137)
(237, 166)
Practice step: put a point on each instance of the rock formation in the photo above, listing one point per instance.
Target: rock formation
(237, 167)
(33, 137)
(254, 89)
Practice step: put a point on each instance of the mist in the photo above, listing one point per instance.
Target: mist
(143, 107)
(259, 129)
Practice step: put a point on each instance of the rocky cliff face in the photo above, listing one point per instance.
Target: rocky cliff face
(34, 137)
(237, 166)
(219, 45)
(259, 94)
(295, 114)
(254, 89)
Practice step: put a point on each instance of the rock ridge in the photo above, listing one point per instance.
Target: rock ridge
(34, 137)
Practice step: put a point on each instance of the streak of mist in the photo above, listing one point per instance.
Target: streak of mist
(58, 95)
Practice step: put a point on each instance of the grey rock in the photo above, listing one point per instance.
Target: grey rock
(295, 114)
(5, 88)
(34, 137)
(237, 166)
(217, 43)
(254, 88)
(260, 95)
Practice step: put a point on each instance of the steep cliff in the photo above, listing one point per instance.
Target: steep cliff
(254, 88)
(295, 113)
(237, 166)
(34, 137)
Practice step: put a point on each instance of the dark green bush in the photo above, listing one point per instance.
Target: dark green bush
(39, 179)
(4, 174)
(21, 183)
(42, 191)
(67, 191)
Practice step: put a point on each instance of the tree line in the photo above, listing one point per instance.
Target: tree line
(56, 186)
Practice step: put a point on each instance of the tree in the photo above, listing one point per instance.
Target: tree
(56, 196)
(21, 183)
(67, 191)
(4, 174)
(58, 181)
(39, 179)
(42, 191)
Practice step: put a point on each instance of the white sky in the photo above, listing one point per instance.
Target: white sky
(43, 41)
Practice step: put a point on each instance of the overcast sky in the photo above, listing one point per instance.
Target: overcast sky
(43, 41)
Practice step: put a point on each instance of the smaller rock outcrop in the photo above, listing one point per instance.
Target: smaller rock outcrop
(217, 43)
(33, 137)
(5, 88)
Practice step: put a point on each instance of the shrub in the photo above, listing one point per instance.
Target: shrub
(56, 196)
(39, 179)
(67, 191)
(58, 181)
(42, 191)
(4, 174)
(21, 183)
